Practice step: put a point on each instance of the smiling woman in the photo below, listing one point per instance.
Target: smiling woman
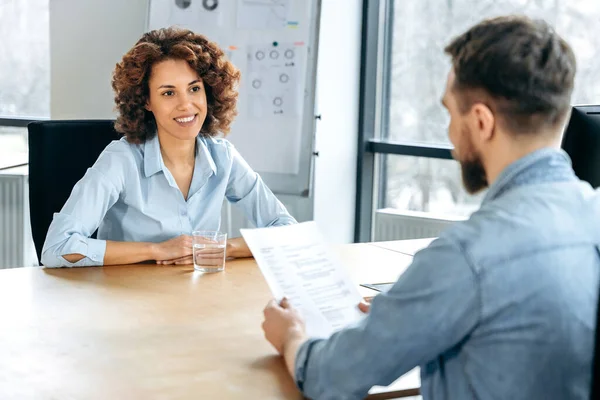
(175, 92)
(143, 72)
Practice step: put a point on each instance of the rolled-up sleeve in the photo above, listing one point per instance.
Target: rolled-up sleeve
(91, 197)
(246, 190)
(431, 308)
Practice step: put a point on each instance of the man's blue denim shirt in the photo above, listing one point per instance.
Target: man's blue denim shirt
(501, 306)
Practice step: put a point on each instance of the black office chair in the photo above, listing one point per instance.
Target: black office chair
(582, 142)
(595, 392)
(60, 152)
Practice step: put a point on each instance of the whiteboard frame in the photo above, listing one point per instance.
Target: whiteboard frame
(300, 184)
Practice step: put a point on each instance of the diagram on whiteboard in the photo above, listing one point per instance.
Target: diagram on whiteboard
(272, 82)
(196, 15)
(263, 14)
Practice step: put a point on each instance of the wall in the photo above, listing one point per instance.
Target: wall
(337, 132)
(88, 37)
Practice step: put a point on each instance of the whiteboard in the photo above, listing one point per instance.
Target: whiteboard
(274, 44)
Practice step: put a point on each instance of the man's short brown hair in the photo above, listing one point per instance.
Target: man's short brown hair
(521, 68)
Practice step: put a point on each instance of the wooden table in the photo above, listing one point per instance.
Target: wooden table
(408, 247)
(152, 332)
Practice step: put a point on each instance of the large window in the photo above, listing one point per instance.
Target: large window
(24, 71)
(404, 80)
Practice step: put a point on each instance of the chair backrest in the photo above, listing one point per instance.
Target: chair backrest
(582, 142)
(595, 390)
(60, 152)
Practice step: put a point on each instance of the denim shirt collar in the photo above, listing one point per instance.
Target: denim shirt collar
(153, 161)
(544, 165)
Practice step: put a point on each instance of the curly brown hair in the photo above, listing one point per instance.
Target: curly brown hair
(131, 76)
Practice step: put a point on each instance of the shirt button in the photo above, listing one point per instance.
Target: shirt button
(183, 213)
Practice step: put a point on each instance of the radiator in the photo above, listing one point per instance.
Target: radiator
(392, 224)
(16, 243)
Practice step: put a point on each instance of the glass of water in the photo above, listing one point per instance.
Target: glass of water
(209, 250)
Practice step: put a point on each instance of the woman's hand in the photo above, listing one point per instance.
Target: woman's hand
(174, 251)
(185, 260)
(237, 248)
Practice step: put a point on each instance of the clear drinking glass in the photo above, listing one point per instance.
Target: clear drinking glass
(209, 250)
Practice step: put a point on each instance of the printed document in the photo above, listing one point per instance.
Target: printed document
(297, 263)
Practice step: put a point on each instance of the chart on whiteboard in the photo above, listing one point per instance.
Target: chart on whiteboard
(196, 15)
(274, 80)
(263, 14)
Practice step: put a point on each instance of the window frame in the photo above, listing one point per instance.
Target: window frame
(376, 42)
(17, 122)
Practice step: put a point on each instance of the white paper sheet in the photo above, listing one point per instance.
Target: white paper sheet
(273, 83)
(297, 263)
(263, 14)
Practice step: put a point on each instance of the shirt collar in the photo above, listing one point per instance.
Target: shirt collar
(204, 166)
(204, 159)
(546, 157)
(153, 161)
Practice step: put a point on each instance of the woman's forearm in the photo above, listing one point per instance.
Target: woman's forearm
(128, 252)
(121, 253)
(134, 252)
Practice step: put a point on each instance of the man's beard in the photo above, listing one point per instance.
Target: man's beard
(473, 175)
